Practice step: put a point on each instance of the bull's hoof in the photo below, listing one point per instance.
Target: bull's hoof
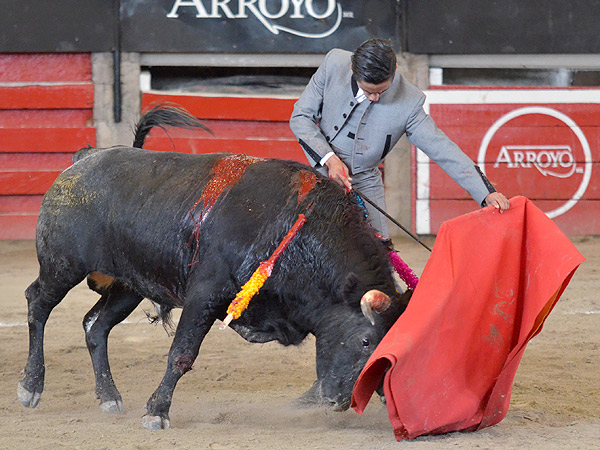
(28, 399)
(112, 407)
(155, 423)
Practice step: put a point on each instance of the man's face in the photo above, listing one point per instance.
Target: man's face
(374, 91)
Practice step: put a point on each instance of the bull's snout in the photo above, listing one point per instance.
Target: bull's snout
(316, 397)
(374, 300)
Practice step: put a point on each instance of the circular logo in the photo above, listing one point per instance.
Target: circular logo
(543, 151)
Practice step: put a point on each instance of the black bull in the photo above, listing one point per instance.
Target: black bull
(188, 231)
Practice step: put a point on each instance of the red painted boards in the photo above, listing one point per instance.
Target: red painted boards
(256, 126)
(540, 143)
(46, 103)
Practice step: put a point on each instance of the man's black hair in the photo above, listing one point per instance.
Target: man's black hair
(374, 61)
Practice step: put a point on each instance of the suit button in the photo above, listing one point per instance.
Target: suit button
(344, 115)
(336, 128)
(351, 103)
(327, 138)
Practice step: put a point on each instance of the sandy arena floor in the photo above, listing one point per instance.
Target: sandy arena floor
(238, 395)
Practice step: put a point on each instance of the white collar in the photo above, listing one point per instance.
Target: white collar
(360, 95)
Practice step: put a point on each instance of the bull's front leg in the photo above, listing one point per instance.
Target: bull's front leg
(196, 319)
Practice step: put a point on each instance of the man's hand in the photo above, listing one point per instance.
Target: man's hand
(498, 201)
(338, 172)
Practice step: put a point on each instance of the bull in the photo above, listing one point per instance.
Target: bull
(187, 231)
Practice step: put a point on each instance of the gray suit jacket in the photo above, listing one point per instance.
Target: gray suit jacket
(326, 103)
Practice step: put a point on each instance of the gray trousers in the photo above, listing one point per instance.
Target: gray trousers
(370, 184)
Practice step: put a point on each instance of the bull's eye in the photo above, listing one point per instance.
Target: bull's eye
(365, 342)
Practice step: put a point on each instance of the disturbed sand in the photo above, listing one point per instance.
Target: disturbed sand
(238, 395)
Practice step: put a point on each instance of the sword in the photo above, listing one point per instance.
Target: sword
(394, 221)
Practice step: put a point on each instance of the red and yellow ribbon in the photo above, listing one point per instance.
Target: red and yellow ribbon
(260, 275)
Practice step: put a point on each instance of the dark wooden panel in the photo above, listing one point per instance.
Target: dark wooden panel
(509, 26)
(58, 26)
(255, 26)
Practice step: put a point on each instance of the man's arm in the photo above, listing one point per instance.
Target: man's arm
(424, 134)
(305, 118)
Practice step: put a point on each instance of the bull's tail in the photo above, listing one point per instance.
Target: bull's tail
(162, 116)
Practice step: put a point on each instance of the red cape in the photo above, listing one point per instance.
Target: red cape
(489, 284)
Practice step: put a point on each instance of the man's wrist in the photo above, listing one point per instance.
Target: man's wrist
(325, 158)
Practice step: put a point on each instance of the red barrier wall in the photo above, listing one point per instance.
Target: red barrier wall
(256, 126)
(46, 103)
(543, 144)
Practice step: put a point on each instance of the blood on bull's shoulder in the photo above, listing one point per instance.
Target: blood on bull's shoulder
(189, 231)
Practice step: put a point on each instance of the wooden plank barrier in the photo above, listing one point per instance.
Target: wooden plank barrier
(256, 126)
(46, 103)
(543, 144)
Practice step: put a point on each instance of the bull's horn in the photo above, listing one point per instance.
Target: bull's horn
(374, 300)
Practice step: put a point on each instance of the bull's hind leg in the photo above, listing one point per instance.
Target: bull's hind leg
(42, 296)
(117, 302)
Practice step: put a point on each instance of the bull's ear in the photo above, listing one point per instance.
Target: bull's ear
(350, 285)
